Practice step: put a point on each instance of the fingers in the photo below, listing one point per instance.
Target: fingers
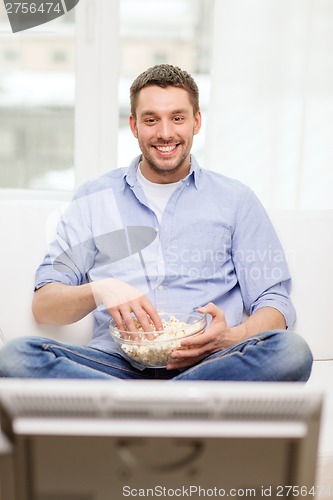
(127, 315)
(183, 363)
(126, 304)
(153, 315)
(196, 348)
(147, 315)
(214, 311)
(123, 318)
(188, 356)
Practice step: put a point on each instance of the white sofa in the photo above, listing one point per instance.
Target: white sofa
(27, 222)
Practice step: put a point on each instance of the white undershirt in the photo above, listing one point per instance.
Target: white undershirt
(157, 195)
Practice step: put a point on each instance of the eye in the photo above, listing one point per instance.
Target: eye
(178, 119)
(150, 121)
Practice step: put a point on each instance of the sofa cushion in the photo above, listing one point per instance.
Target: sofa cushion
(26, 226)
(307, 237)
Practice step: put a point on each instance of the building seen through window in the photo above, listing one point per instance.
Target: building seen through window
(37, 83)
(37, 104)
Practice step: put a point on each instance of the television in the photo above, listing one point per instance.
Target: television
(111, 440)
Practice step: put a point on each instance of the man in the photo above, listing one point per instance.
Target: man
(165, 234)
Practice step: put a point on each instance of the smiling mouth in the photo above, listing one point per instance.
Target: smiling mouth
(166, 149)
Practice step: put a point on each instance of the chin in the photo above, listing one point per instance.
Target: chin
(165, 170)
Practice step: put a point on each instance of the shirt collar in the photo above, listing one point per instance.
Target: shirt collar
(195, 172)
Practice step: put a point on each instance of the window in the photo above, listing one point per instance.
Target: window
(161, 58)
(59, 56)
(64, 86)
(10, 55)
(37, 84)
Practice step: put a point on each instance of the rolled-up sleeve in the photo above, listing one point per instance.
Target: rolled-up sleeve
(260, 262)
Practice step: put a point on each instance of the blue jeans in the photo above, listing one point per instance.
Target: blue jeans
(271, 356)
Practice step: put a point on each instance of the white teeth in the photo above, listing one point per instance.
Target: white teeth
(165, 149)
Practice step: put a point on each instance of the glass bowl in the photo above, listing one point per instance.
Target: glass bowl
(152, 349)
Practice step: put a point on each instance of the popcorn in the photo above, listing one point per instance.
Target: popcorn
(153, 349)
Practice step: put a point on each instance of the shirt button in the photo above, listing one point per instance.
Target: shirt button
(161, 287)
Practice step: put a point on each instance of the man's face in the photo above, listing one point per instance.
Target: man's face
(165, 126)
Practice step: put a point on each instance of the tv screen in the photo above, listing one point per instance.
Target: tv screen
(101, 440)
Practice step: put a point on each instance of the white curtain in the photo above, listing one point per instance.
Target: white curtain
(270, 118)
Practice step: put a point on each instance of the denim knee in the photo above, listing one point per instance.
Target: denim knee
(299, 355)
(13, 354)
(273, 356)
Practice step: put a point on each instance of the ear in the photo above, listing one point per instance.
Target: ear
(197, 123)
(133, 127)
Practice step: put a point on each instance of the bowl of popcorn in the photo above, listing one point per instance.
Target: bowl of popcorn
(152, 349)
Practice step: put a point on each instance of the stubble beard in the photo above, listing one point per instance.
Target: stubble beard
(166, 171)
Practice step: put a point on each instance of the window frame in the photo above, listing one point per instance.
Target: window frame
(97, 73)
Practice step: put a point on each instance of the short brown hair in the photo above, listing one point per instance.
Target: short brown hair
(165, 75)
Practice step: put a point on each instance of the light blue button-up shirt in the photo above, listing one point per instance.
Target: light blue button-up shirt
(215, 244)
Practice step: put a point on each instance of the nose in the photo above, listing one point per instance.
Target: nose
(165, 130)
